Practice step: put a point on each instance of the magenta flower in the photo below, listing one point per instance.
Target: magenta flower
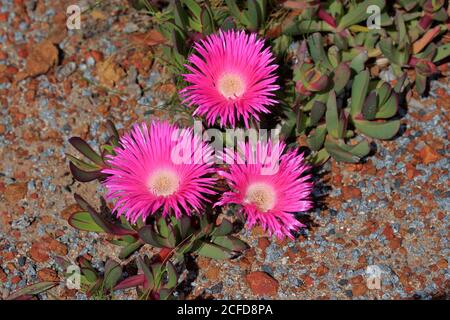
(149, 172)
(232, 77)
(269, 186)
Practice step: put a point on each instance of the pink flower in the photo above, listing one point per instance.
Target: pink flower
(232, 77)
(268, 197)
(148, 173)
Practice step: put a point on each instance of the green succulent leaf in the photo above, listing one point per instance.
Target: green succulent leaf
(89, 273)
(130, 249)
(336, 121)
(172, 276)
(384, 91)
(184, 226)
(148, 235)
(379, 130)
(253, 15)
(370, 106)
(342, 75)
(84, 176)
(147, 273)
(338, 153)
(113, 272)
(231, 243)
(83, 165)
(316, 138)
(289, 124)
(141, 5)
(334, 56)
(358, 63)
(208, 26)
(181, 18)
(360, 150)
(228, 24)
(226, 227)
(389, 108)
(86, 150)
(179, 43)
(400, 83)
(358, 13)
(421, 83)
(319, 97)
(317, 51)
(359, 90)
(213, 251)
(234, 10)
(402, 33)
(194, 7)
(82, 220)
(442, 52)
(112, 130)
(101, 221)
(32, 290)
(317, 112)
(319, 158)
(171, 240)
(163, 227)
(301, 122)
(262, 7)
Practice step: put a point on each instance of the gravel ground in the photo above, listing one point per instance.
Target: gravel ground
(387, 216)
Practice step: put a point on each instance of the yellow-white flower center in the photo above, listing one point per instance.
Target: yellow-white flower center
(163, 183)
(261, 195)
(231, 85)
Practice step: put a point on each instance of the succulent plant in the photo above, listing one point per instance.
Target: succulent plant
(337, 99)
(335, 59)
(403, 41)
(175, 238)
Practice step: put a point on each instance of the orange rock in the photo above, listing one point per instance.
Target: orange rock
(388, 232)
(115, 101)
(429, 155)
(262, 284)
(351, 192)
(203, 262)
(23, 52)
(411, 171)
(308, 281)
(359, 289)
(4, 16)
(245, 264)
(263, 243)
(395, 243)
(212, 273)
(47, 274)
(15, 192)
(57, 247)
(109, 73)
(442, 263)
(399, 213)
(42, 57)
(357, 280)
(39, 252)
(3, 55)
(258, 231)
(322, 270)
(16, 279)
(3, 276)
(96, 55)
(150, 38)
(103, 108)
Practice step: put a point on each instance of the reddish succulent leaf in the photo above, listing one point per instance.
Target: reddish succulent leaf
(86, 150)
